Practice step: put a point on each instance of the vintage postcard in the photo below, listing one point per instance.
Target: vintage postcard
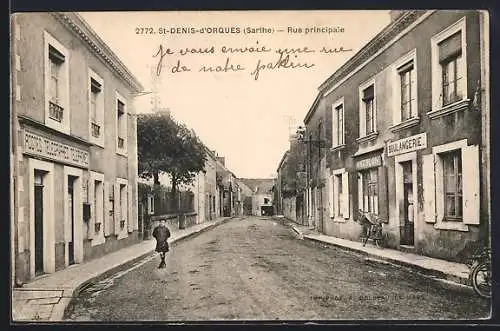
(250, 165)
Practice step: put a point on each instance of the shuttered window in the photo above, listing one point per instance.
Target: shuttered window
(452, 176)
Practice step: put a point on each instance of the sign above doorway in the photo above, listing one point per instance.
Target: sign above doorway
(408, 144)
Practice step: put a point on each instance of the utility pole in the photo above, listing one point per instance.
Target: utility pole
(15, 157)
(155, 85)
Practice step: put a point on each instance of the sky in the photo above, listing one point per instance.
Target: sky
(244, 114)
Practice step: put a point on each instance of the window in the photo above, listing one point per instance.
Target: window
(338, 124)
(449, 71)
(123, 205)
(452, 176)
(367, 110)
(451, 186)
(121, 125)
(56, 85)
(266, 200)
(151, 204)
(407, 88)
(98, 206)
(339, 194)
(56, 61)
(370, 190)
(404, 92)
(95, 92)
(96, 97)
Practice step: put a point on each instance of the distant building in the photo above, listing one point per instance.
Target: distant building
(262, 195)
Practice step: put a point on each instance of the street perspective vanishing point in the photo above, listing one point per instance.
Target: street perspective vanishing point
(250, 166)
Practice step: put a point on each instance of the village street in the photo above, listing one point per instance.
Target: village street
(255, 268)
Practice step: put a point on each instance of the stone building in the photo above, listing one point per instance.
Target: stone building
(75, 145)
(402, 130)
(262, 195)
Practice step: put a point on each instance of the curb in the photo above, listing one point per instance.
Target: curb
(431, 273)
(60, 309)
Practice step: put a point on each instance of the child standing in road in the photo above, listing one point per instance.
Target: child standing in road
(161, 233)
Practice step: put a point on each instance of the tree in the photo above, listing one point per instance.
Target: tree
(166, 146)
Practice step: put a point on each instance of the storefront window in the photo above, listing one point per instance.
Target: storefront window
(370, 190)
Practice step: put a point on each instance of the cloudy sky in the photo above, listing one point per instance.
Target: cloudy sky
(245, 117)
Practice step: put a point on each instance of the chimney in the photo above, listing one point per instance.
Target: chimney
(395, 14)
(222, 160)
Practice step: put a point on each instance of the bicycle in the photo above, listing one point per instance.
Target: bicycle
(480, 273)
(372, 228)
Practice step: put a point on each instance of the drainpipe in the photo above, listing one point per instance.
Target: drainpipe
(485, 121)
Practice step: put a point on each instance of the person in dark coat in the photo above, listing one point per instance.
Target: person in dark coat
(161, 233)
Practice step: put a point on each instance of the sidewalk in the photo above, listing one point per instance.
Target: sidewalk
(46, 298)
(450, 271)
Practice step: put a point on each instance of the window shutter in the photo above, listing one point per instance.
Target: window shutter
(470, 184)
(130, 219)
(107, 208)
(429, 188)
(450, 46)
(93, 214)
(396, 101)
(331, 195)
(117, 215)
(360, 191)
(345, 193)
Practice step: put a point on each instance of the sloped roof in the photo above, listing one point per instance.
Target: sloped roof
(259, 185)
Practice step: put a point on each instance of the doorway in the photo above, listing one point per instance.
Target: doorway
(38, 207)
(320, 210)
(408, 226)
(71, 215)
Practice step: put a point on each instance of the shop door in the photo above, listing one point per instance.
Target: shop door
(38, 223)
(71, 209)
(407, 230)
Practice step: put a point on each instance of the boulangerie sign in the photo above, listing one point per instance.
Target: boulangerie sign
(408, 144)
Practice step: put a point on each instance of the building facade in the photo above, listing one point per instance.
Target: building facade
(76, 147)
(211, 190)
(262, 195)
(402, 130)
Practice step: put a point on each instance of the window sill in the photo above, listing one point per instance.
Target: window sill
(337, 148)
(451, 225)
(97, 141)
(405, 125)
(122, 152)
(368, 137)
(58, 126)
(449, 109)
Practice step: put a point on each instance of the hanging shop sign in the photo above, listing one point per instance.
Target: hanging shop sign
(407, 145)
(50, 149)
(372, 162)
